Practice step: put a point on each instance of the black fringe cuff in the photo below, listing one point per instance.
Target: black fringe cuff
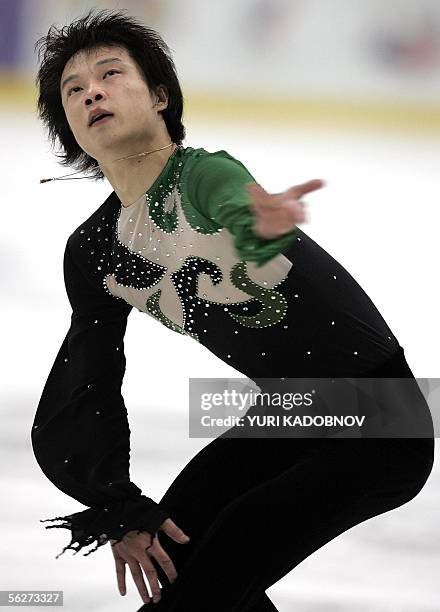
(100, 525)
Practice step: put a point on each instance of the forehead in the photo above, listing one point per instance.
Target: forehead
(89, 57)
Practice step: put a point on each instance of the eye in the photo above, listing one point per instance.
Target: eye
(72, 89)
(111, 70)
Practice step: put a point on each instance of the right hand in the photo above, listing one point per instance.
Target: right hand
(276, 214)
(136, 549)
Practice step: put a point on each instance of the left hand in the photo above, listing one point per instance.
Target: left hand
(278, 214)
(135, 550)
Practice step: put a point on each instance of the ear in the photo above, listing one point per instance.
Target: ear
(162, 95)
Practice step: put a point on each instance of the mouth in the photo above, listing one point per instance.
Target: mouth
(103, 118)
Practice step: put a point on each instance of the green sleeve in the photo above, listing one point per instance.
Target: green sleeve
(217, 190)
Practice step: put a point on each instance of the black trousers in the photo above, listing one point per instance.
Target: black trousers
(254, 508)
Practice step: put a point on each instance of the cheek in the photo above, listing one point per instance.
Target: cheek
(70, 117)
(76, 127)
(139, 100)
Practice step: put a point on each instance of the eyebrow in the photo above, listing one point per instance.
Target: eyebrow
(104, 61)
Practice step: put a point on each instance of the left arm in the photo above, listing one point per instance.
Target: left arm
(262, 225)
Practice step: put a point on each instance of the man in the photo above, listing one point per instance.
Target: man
(191, 239)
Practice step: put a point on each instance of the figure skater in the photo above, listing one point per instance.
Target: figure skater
(190, 238)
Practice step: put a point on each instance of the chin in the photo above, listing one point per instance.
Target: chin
(106, 141)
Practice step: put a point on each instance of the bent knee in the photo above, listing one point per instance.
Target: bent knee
(408, 467)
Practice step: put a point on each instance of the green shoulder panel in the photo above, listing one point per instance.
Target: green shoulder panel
(214, 196)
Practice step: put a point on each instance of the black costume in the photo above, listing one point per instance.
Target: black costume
(185, 253)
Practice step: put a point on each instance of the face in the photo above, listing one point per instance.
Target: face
(108, 78)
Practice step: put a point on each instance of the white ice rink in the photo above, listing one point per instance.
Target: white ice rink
(378, 216)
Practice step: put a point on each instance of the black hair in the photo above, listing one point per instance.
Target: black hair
(105, 27)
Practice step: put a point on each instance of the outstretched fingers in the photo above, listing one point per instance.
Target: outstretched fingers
(299, 190)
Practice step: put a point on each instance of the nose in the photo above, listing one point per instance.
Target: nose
(90, 99)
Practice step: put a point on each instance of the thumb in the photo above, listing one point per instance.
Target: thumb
(174, 532)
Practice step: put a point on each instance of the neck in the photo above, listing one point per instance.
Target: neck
(132, 177)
